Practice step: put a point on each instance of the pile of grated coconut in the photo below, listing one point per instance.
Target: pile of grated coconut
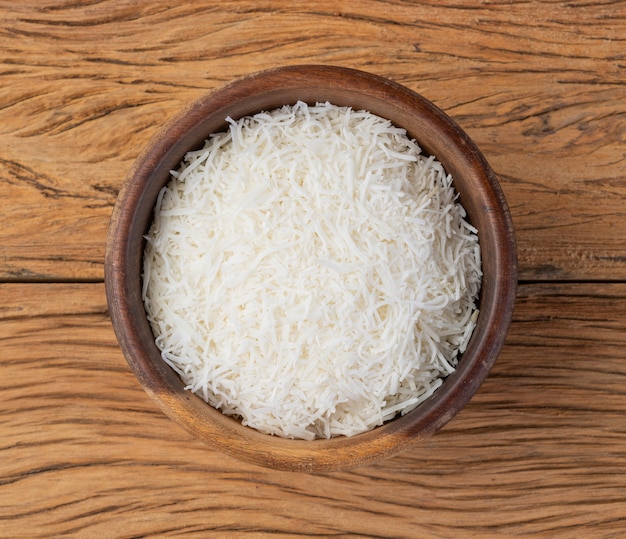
(311, 272)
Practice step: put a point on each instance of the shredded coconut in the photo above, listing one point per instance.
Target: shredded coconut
(311, 272)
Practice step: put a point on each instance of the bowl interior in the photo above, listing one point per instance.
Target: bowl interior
(437, 134)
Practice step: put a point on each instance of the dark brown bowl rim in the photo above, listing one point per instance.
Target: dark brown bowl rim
(265, 90)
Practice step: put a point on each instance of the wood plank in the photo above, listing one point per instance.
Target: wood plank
(538, 85)
(540, 450)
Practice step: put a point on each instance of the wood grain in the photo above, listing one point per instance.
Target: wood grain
(539, 85)
(539, 451)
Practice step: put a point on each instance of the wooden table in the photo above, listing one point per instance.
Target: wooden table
(541, 449)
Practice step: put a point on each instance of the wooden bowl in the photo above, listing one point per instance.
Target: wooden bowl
(437, 134)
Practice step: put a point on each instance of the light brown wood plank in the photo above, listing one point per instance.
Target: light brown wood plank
(539, 85)
(540, 451)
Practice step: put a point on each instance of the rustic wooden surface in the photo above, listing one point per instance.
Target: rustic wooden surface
(540, 451)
